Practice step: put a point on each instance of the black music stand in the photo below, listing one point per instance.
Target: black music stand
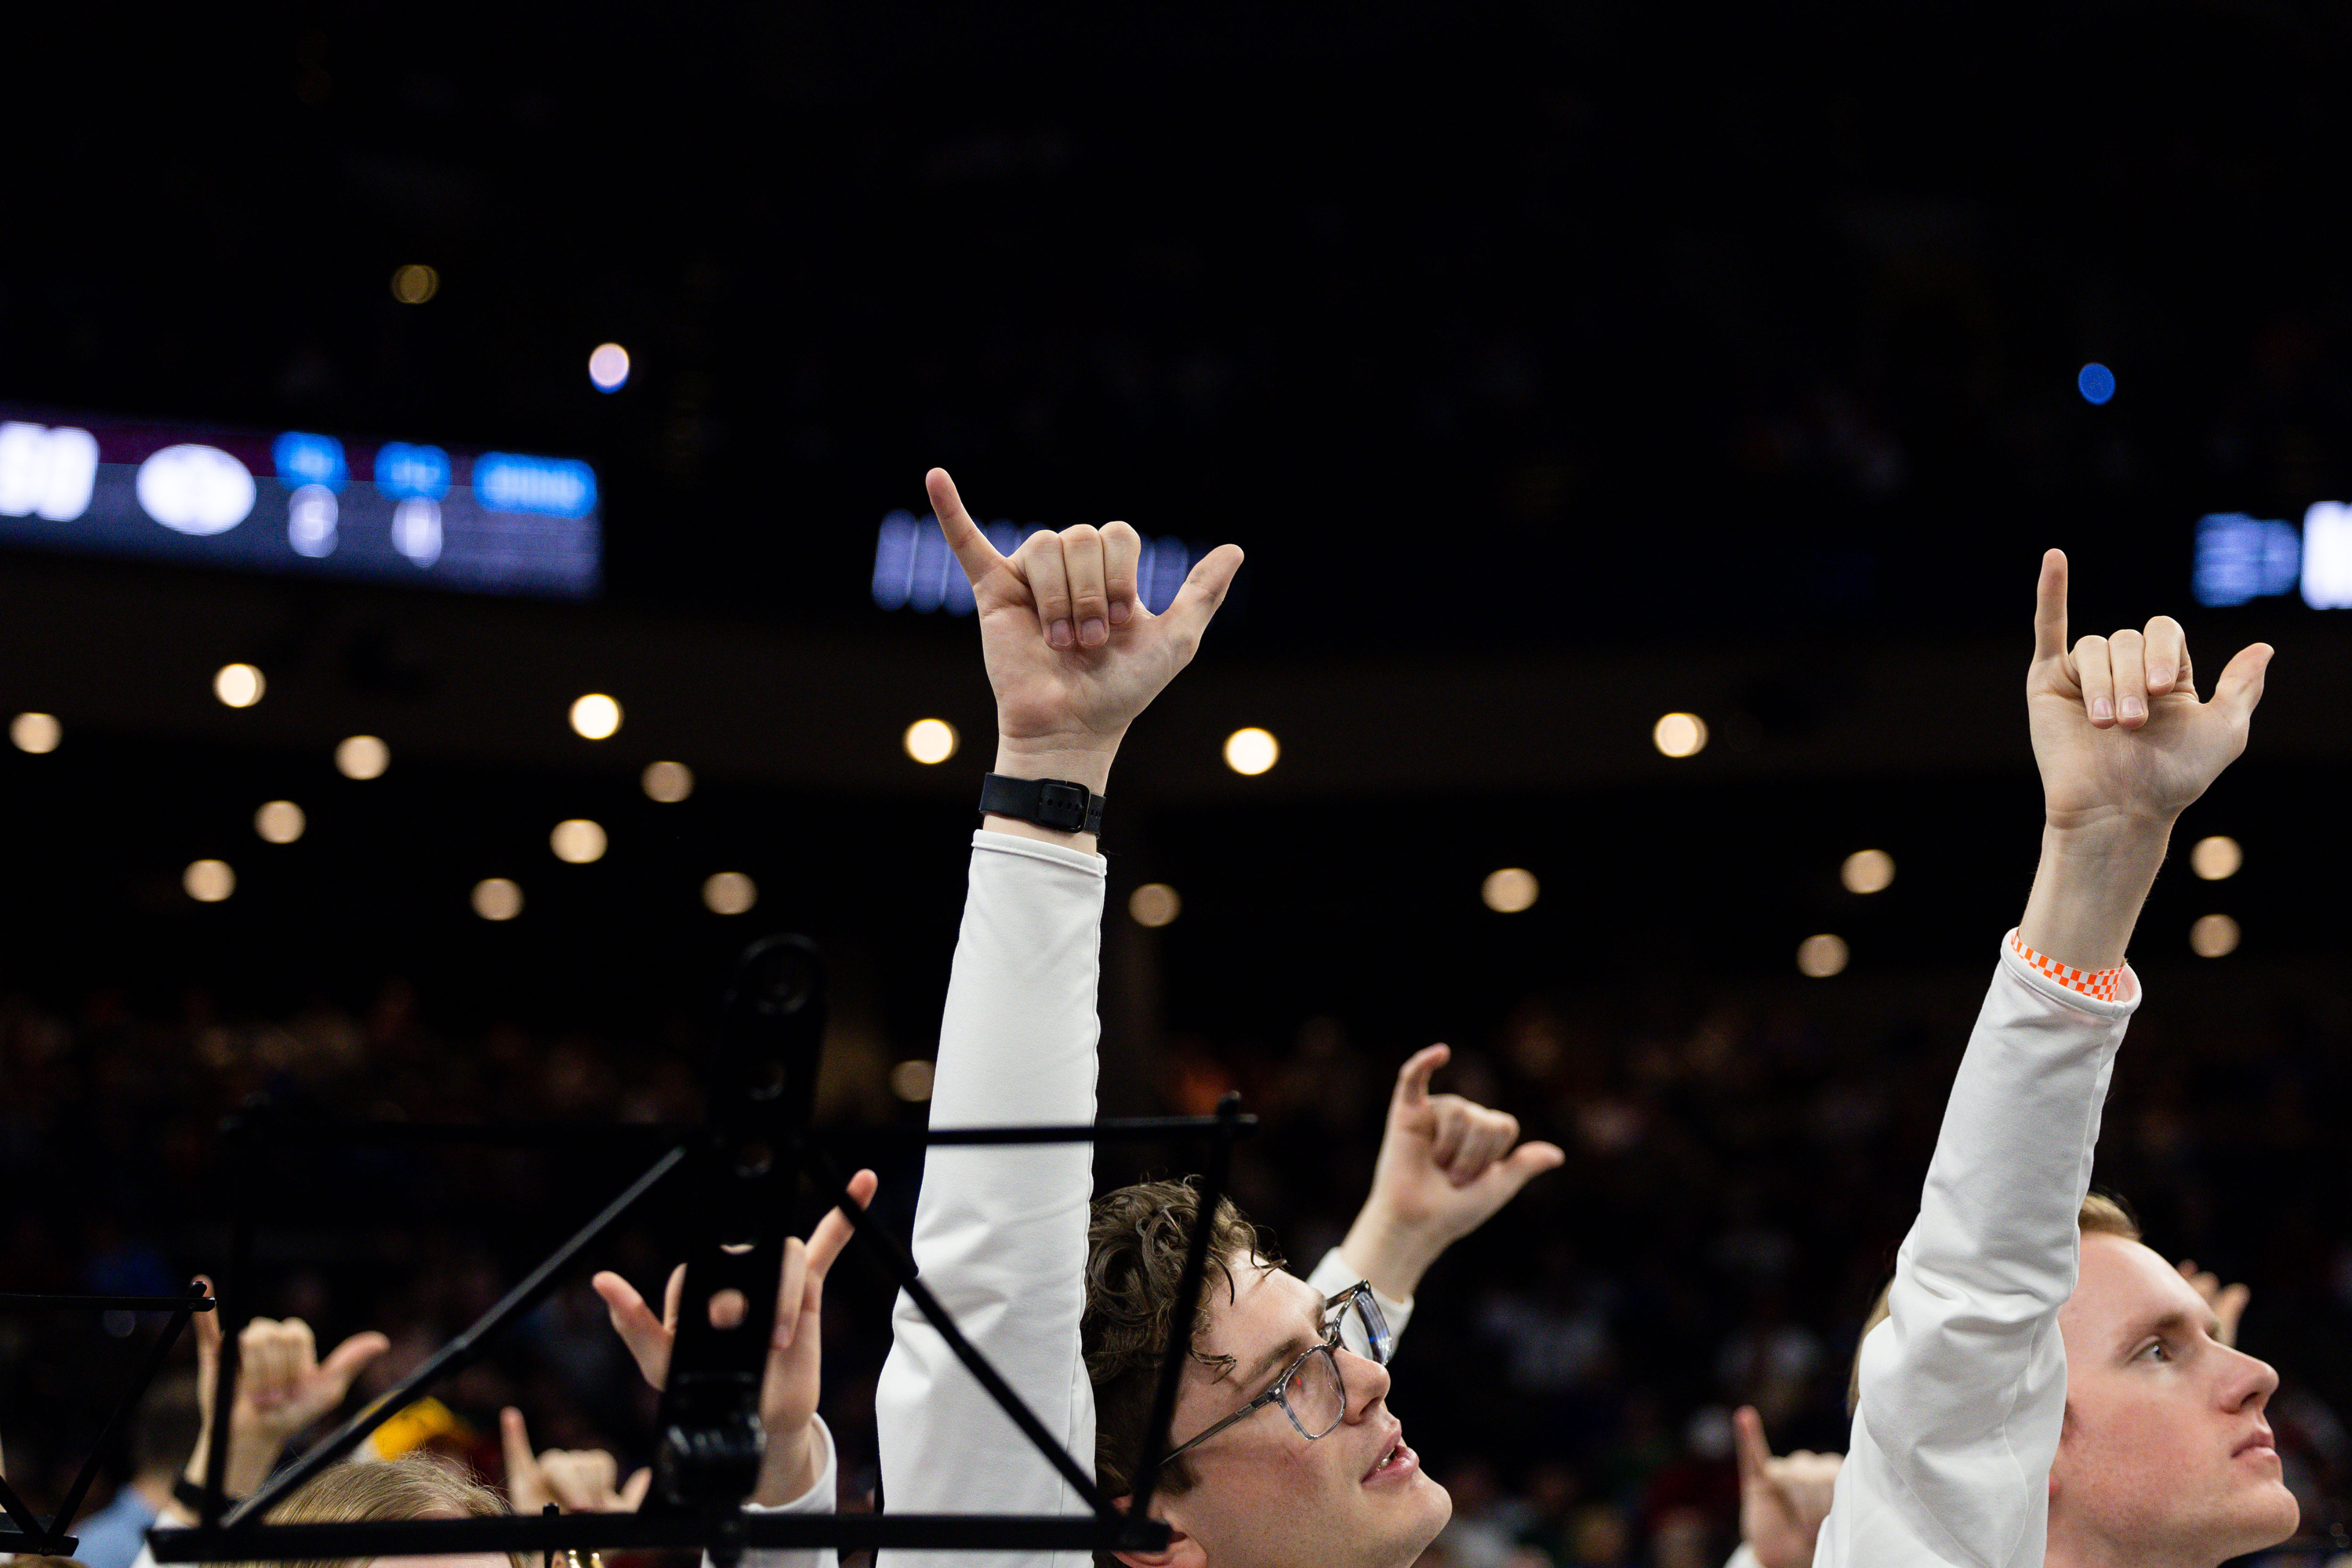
(754, 1146)
(21, 1525)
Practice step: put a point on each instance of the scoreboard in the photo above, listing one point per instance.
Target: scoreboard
(301, 501)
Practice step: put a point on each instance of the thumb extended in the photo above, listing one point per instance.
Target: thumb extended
(2241, 686)
(1206, 587)
(1529, 1161)
(345, 1363)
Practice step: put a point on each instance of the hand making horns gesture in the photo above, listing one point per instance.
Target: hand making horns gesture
(2118, 731)
(1073, 654)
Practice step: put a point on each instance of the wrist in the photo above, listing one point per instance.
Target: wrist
(1084, 761)
(788, 1469)
(1391, 1256)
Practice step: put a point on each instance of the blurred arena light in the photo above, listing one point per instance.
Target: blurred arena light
(36, 733)
(2241, 558)
(2214, 936)
(596, 716)
(2216, 859)
(208, 881)
(496, 898)
(1679, 734)
(1252, 752)
(730, 893)
(2327, 556)
(577, 841)
(281, 822)
(1822, 956)
(239, 685)
(911, 1080)
(2096, 383)
(1153, 905)
(667, 783)
(362, 757)
(1867, 871)
(929, 741)
(1509, 890)
(608, 367)
(416, 283)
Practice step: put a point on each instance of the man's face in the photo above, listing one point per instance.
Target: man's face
(1266, 1496)
(2165, 1456)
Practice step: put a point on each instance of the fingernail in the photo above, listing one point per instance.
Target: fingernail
(1092, 632)
(2102, 709)
(1058, 633)
(1120, 612)
(2133, 708)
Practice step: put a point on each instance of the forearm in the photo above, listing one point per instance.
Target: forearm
(1390, 1256)
(250, 1464)
(2089, 889)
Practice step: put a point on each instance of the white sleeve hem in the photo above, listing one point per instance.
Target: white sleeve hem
(1038, 850)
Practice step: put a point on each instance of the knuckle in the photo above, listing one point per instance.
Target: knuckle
(1081, 533)
(1121, 533)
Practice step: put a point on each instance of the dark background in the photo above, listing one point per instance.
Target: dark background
(1558, 366)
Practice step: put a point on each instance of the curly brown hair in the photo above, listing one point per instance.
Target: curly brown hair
(1135, 1238)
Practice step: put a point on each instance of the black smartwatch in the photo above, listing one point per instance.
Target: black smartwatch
(1057, 804)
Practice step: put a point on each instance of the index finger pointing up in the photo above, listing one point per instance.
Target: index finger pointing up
(2050, 608)
(972, 550)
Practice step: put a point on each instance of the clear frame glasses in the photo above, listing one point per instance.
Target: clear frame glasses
(1310, 1390)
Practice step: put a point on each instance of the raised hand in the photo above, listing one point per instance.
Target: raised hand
(2124, 745)
(788, 1392)
(1071, 652)
(1446, 1165)
(2228, 1301)
(283, 1387)
(2118, 731)
(1783, 1500)
(576, 1480)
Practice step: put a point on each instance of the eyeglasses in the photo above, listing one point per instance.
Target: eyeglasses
(1309, 1389)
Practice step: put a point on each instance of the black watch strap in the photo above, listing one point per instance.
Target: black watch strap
(1057, 804)
(191, 1497)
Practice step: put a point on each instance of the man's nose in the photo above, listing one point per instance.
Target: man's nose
(2249, 1383)
(1367, 1381)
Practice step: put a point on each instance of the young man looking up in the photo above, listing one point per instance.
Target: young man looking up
(1002, 1235)
(2009, 1415)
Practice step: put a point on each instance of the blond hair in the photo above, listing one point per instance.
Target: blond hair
(2101, 1214)
(414, 1486)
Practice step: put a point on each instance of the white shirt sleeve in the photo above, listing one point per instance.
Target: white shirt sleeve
(819, 1499)
(1964, 1386)
(1001, 1232)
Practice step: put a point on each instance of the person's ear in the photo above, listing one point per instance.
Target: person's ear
(1181, 1550)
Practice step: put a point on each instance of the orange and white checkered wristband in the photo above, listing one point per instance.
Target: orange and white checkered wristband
(2102, 986)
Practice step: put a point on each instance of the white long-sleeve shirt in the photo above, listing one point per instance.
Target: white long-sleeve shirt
(1000, 1232)
(1964, 1384)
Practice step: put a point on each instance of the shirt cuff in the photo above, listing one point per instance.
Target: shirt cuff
(820, 1497)
(2108, 993)
(1038, 850)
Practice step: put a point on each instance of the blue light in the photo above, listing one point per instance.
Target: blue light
(2241, 558)
(2097, 382)
(310, 460)
(557, 487)
(894, 561)
(419, 473)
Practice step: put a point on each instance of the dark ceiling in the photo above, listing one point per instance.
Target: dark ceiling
(1507, 325)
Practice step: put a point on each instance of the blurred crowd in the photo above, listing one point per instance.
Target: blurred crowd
(1742, 1165)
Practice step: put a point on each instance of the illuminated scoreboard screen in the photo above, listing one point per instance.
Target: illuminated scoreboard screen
(296, 502)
